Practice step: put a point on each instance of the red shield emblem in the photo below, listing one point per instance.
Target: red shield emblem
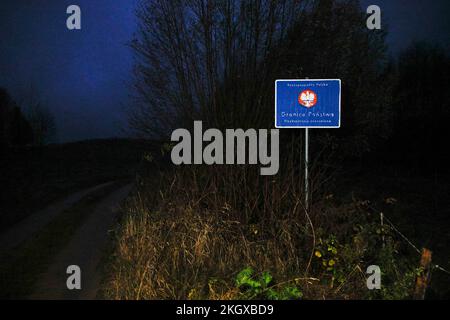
(307, 98)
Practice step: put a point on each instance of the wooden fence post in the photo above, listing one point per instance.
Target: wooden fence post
(424, 277)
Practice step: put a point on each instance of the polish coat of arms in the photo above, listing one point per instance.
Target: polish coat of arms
(307, 98)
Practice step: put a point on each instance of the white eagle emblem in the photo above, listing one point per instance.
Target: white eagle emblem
(307, 98)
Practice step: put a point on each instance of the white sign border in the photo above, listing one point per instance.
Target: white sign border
(307, 127)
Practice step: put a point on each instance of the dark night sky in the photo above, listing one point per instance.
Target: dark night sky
(83, 76)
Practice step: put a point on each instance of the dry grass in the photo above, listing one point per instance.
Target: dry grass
(191, 239)
(171, 256)
(189, 236)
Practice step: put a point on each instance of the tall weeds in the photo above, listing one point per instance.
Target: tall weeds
(188, 232)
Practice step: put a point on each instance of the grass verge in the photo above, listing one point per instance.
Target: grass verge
(203, 236)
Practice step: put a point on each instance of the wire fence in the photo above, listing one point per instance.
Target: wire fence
(405, 238)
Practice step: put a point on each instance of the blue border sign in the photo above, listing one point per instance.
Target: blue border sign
(308, 103)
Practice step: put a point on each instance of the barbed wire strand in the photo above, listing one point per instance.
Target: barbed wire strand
(402, 235)
(436, 266)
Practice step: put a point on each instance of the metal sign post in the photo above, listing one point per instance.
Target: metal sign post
(307, 103)
(306, 168)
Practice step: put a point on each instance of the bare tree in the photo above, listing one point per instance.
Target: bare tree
(39, 116)
(15, 130)
(42, 122)
(216, 61)
(195, 58)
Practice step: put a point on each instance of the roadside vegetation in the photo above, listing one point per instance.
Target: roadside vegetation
(225, 232)
(199, 238)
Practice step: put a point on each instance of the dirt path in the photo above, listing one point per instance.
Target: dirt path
(35, 222)
(85, 249)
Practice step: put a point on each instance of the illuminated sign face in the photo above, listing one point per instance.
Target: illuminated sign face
(308, 103)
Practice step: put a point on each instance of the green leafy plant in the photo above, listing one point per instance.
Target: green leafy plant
(341, 264)
(262, 287)
(326, 253)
